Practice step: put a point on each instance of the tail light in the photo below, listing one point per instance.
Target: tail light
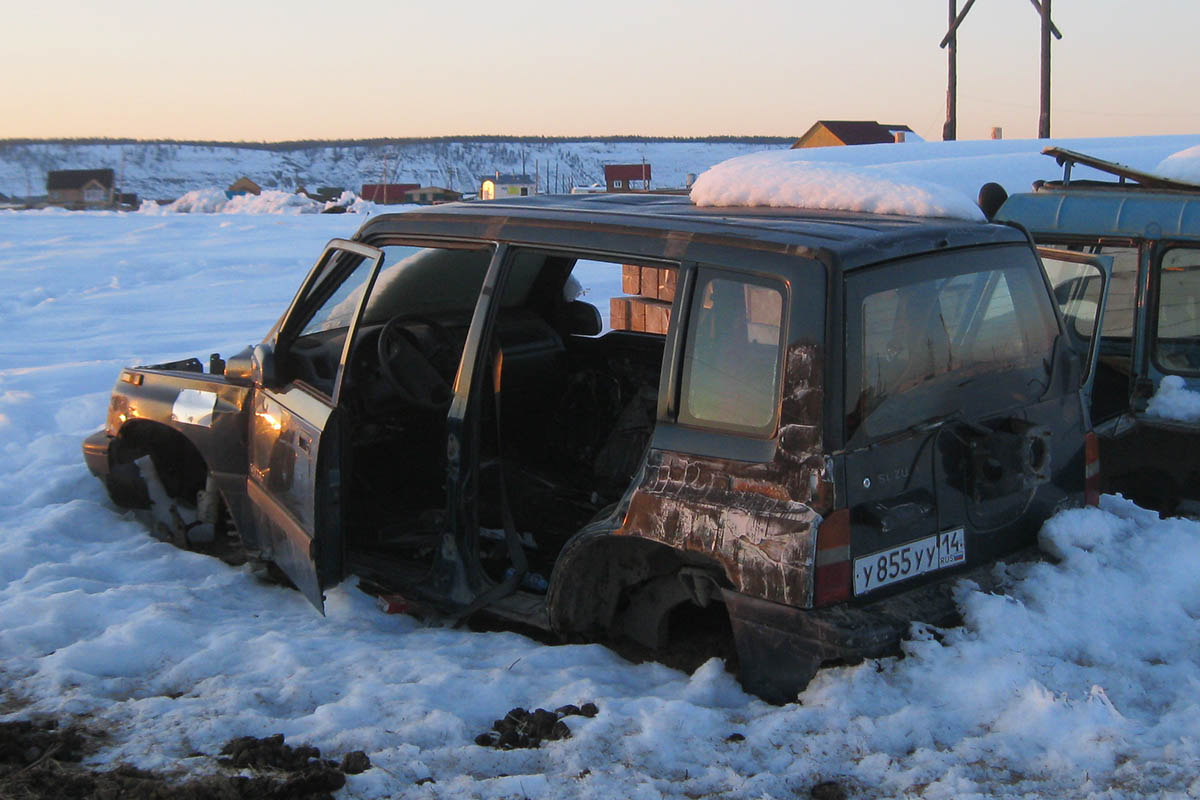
(832, 576)
(1091, 470)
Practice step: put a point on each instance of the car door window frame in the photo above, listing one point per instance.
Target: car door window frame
(332, 269)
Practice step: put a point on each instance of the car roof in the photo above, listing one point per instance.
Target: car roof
(1108, 211)
(608, 221)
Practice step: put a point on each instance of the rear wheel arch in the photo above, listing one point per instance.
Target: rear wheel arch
(627, 586)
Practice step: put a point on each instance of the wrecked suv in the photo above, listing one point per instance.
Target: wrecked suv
(605, 415)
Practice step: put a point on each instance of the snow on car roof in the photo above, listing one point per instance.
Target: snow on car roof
(1181, 166)
(787, 179)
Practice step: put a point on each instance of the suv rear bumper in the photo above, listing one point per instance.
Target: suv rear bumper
(780, 648)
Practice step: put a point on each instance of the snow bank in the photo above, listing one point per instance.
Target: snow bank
(216, 201)
(1174, 400)
(352, 203)
(1181, 166)
(787, 179)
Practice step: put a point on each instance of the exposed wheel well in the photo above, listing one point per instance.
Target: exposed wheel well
(623, 586)
(180, 467)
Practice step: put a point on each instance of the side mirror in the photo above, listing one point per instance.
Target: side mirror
(580, 319)
(252, 365)
(239, 367)
(263, 360)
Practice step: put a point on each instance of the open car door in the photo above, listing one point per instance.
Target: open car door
(1080, 282)
(295, 449)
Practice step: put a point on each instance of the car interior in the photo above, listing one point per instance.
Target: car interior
(568, 425)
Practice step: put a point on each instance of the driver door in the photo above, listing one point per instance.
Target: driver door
(294, 480)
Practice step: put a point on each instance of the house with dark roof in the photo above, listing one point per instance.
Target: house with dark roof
(80, 188)
(502, 184)
(831, 133)
(627, 177)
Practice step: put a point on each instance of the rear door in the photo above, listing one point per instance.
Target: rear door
(950, 412)
(294, 471)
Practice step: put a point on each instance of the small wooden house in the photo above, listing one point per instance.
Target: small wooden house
(831, 133)
(506, 185)
(627, 177)
(427, 195)
(80, 188)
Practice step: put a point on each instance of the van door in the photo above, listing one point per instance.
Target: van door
(1080, 284)
(294, 473)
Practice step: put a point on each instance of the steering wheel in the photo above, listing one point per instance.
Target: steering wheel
(408, 364)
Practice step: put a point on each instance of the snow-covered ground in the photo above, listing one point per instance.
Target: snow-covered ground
(1082, 681)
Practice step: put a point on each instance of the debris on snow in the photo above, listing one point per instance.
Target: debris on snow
(525, 729)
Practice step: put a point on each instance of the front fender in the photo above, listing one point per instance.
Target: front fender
(209, 411)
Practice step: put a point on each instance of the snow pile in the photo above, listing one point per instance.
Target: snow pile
(1174, 400)
(352, 203)
(788, 179)
(217, 201)
(1181, 166)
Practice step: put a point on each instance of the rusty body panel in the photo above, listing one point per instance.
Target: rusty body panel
(757, 520)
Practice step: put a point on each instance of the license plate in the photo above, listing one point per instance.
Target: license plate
(932, 553)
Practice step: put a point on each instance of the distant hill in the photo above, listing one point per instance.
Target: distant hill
(164, 169)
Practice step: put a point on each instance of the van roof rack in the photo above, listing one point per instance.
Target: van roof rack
(1068, 158)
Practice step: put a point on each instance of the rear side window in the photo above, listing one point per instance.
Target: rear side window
(731, 362)
(1177, 334)
(918, 331)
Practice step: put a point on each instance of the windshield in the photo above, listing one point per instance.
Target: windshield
(920, 331)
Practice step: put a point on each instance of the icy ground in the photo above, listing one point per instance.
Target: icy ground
(1083, 682)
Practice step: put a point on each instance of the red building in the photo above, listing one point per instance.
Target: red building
(627, 177)
(387, 193)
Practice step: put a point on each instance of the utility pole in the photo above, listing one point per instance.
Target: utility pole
(950, 127)
(949, 130)
(1044, 116)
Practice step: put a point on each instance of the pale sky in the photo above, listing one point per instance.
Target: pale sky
(243, 70)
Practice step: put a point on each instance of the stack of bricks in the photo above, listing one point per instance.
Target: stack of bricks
(648, 310)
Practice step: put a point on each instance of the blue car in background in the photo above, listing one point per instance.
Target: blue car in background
(1150, 336)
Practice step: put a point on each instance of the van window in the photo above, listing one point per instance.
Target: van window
(1177, 334)
(918, 333)
(732, 356)
(1121, 308)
